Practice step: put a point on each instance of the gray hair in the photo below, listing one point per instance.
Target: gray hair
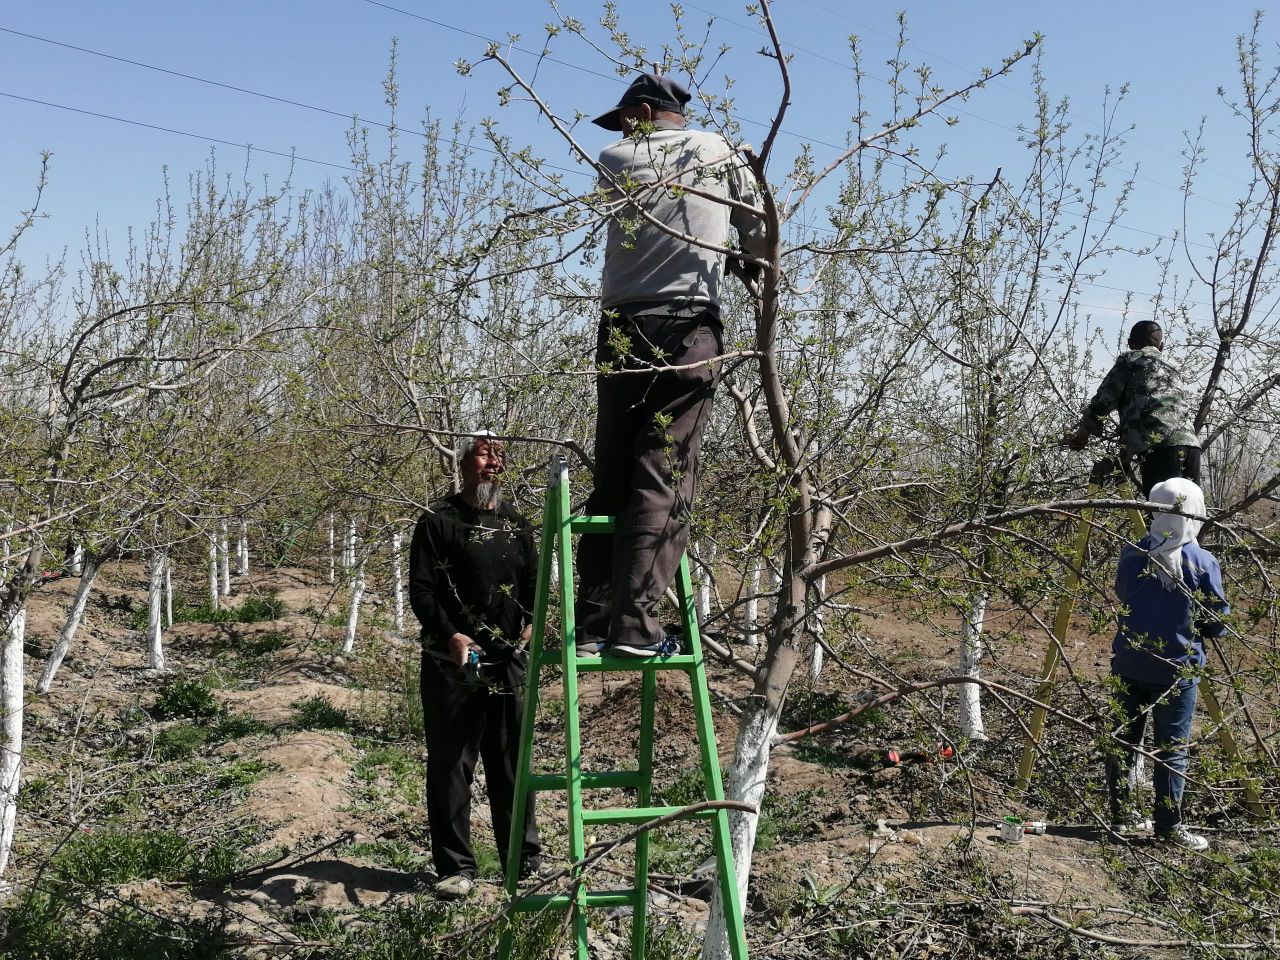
(467, 444)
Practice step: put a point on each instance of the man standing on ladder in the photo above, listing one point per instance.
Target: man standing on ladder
(1155, 411)
(472, 569)
(673, 194)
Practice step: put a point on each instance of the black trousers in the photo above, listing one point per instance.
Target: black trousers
(1165, 463)
(648, 437)
(465, 719)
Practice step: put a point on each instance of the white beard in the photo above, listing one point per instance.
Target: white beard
(487, 495)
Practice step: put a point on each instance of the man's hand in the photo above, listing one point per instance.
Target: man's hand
(526, 634)
(1077, 439)
(459, 646)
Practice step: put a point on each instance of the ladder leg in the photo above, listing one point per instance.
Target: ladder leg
(1053, 652)
(523, 796)
(572, 728)
(726, 874)
(640, 913)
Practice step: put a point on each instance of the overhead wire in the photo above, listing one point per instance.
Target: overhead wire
(354, 117)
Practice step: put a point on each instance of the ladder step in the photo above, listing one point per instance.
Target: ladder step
(608, 780)
(562, 901)
(586, 524)
(607, 663)
(639, 814)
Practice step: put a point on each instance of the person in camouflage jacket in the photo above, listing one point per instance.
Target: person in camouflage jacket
(1154, 408)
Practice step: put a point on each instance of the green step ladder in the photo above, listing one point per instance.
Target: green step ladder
(558, 527)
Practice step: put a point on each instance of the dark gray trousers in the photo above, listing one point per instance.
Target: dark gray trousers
(466, 719)
(648, 436)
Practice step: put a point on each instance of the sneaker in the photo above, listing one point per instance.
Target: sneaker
(589, 646)
(1180, 836)
(457, 887)
(1131, 824)
(668, 646)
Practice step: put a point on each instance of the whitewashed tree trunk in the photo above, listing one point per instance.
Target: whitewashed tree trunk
(242, 550)
(745, 781)
(333, 572)
(75, 566)
(353, 614)
(349, 551)
(819, 631)
(213, 573)
(69, 628)
(397, 580)
(971, 726)
(704, 582)
(12, 706)
(751, 608)
(155, 597)
(168, 592)
(224, 557)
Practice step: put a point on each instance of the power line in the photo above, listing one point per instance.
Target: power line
(181, 133)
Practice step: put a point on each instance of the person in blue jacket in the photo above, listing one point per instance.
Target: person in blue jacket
(1170, 592)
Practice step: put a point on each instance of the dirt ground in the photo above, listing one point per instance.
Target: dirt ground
(331, 815)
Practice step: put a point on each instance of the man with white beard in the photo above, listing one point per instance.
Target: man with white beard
(472, 570)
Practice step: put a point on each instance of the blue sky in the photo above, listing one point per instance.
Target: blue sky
(332, 54)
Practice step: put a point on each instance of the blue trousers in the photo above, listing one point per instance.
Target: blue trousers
(1171, 709)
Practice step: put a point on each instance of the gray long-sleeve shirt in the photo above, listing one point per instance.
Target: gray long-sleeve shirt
(642, 262)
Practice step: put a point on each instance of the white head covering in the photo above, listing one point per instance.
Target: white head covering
(1172, 531)
(467, 444)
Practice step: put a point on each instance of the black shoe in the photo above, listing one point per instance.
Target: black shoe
(668, 646)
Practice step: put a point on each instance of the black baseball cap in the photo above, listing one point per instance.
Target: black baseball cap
(661, 93)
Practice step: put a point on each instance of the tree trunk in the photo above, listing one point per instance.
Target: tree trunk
(213, 573)
(224, 555)
(155, 596)
(75, 566)
(242, 550)
(819, 630)
(751, 606)
(707, 558)
(397, 580)
(744, 781)
(69, 628)
(11, 703)
(971, 727)
(168, 592)
(349, 551)
(333, 573)
(353, 615)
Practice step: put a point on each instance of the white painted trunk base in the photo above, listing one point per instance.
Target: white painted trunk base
(333, 557)
(970, 706)
(213, 574)
(353, 614)
(224, 557)
(11, 703)
(69, 628)
(745, 781)
(397, 580)
(155, 597)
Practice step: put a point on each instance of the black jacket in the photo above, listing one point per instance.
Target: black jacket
(472, 572)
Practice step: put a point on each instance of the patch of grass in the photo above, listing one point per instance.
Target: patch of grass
(419, 929)
(786, 819)
(234, 726)
(319, 713)
(112, 856)
(262, 644)
(402, 767)
(188, 698)
(180, 741)
(253, 609)
(685, 789)
(45, 927)
(487, 862)
(393, 854)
